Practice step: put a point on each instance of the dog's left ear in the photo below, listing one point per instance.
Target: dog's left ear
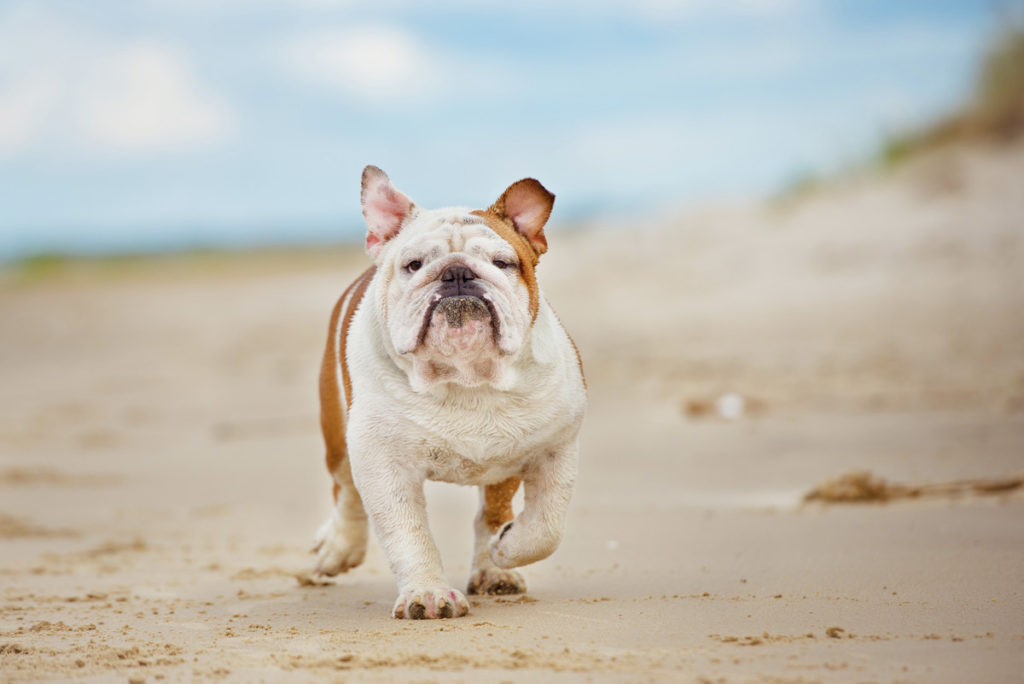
(526, 204)
(385, 209)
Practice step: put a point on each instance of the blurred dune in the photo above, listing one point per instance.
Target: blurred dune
(899, 290)
(995, 110)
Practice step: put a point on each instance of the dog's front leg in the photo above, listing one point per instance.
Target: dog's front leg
(535, 533)
(393, 496)
(495, 511)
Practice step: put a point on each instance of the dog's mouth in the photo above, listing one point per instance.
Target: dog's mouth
(458, 310)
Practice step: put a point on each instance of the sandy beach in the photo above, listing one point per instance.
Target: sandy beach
(161, 468)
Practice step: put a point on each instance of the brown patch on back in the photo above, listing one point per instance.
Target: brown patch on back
(332, 418)
(528, 257)
(358, 290)
(498, 503)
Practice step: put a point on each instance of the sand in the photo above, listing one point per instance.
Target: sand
(161, 471)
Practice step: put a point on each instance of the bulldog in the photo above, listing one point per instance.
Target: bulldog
(445, 362)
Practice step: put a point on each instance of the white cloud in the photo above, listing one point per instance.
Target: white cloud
(24, 105)
(377, 64)
(65, 85)
(143, 96)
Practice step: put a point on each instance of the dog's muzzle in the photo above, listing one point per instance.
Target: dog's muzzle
(461, 299)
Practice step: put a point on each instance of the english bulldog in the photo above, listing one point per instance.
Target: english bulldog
(445, 362)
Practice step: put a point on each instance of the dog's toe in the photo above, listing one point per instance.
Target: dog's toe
(428, 603)
(496, 581)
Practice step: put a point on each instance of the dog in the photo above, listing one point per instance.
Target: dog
(445, 362)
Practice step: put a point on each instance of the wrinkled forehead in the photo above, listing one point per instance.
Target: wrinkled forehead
(450, 230)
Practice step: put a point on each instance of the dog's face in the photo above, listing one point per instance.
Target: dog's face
(460, 293)
(456, 287)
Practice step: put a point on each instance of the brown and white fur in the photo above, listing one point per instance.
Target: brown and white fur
(445, 362)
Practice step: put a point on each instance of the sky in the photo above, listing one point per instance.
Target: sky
(168, 124)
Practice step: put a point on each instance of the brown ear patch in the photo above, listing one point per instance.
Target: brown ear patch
(525, 253)
(526, 205)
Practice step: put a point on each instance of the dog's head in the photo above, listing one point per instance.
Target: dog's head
(460, 295)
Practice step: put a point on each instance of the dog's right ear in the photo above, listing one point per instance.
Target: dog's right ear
(526, 204)
(384, 207)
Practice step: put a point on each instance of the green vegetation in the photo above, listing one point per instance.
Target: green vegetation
(799, 187)
(41, 264)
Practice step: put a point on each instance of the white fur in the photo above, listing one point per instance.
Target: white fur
(405, 426)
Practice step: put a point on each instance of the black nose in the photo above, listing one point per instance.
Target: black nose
(458, 274)
(457, 280)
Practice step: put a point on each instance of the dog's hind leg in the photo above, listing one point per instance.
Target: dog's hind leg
(341, 540)
(495, 511)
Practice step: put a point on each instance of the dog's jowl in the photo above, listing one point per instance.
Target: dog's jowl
(445, 362)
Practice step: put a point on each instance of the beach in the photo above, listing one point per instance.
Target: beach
(162, 474)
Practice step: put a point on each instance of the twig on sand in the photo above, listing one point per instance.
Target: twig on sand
(864, 487)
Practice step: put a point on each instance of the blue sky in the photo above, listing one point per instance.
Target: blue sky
(146, 124)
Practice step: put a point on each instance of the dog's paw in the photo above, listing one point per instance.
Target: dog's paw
(420, 602)
(515, 545)
(496, 581)
(336, 551)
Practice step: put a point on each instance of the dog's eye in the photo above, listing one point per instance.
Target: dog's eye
(413, 265)
(501, 263)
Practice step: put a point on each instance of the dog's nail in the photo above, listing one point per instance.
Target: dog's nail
(504, 531)
(417, 611)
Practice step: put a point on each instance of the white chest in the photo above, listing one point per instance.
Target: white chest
(485, 445)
